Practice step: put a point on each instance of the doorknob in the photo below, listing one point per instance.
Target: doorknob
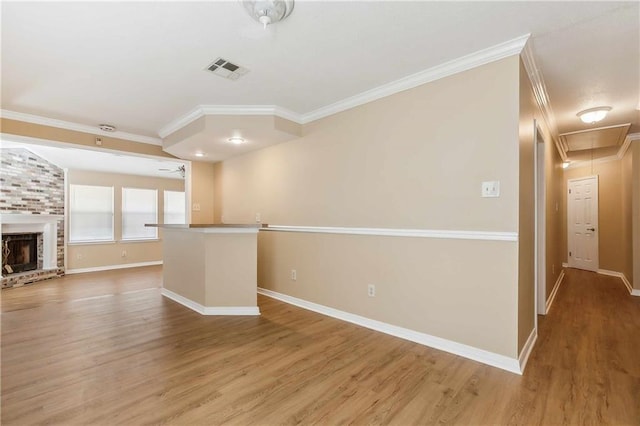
(591, 229)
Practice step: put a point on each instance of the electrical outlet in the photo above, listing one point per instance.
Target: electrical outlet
(294, 275)
(124, 253)
(257, 217)
(371, 290)
(196, 207)
(79, 256)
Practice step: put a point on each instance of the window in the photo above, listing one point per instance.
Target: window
(139, 206)
(174, 207)
(90, 213)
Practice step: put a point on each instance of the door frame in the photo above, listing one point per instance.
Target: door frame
(597, 231)
(540, 249)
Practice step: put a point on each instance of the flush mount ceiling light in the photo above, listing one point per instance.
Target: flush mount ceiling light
(593, 115)
(107, 127)
(236, 140)
(268, 11)
(199, 154)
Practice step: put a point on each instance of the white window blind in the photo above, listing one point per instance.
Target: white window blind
(90, 213)
(139, 206)
(174, 207)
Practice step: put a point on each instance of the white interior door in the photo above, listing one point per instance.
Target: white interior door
(582, 223)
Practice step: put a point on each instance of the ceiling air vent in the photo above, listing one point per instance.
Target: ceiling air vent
(223, 68)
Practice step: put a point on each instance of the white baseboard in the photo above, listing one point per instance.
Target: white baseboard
(527, 349)
(619, 275)
(552, 296)
(627, 283)
(490, 358)
(231, 310)
(210, 310)
(111, 267)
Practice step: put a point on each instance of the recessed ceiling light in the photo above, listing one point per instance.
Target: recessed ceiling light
(199, 154)
(236, 140)
(593, 115)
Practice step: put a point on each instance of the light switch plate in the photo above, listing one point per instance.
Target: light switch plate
(491, 188)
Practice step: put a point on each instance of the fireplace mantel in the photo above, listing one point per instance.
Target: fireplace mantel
(47, 224)
(8, 218)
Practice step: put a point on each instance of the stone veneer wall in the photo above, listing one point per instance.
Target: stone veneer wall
(31, 185)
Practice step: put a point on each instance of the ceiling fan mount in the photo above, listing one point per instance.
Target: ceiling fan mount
(181, 169)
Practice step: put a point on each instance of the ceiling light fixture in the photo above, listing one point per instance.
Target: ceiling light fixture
(199, 154)
(107, 127)
(236, 140)
(593, 115)
(268, 11)
(565, 164)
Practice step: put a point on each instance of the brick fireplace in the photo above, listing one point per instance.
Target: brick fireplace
(31, 204)
(44, 226)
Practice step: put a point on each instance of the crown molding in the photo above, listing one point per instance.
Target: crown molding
(564, 146)
(180, 122)
(202, 110)
(542, 97)
(627, 143)
(67, 125)
(464, 63)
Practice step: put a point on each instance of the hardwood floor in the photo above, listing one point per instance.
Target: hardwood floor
(107, 348)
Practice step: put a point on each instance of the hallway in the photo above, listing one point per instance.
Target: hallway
(107, 348)
(585, 367)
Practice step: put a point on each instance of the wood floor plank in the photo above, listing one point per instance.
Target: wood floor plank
(107, 348)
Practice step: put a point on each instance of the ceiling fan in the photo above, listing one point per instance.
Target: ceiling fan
(267, 13)
(180, 169)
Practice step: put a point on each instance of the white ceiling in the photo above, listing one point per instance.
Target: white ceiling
(99, 161)
(140, 65)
